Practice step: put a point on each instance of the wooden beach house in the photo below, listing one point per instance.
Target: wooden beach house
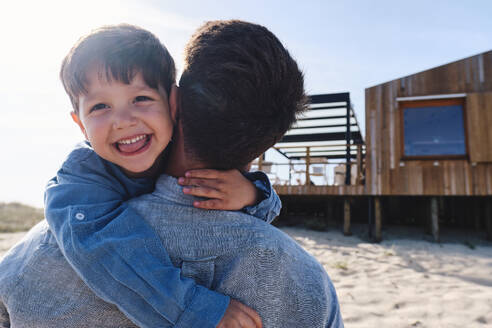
(430, 134)
(427, 149)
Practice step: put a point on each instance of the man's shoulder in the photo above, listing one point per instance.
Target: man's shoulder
(282, 270)
(17, 261)
(278, 251)
(277, 243)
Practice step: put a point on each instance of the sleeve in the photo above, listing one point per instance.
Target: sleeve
(4, 316)
(116, 253)
(270, 205)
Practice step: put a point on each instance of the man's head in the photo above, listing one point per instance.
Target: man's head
(118, 79)
(240, 92)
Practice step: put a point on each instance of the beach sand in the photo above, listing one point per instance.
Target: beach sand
(405, 281)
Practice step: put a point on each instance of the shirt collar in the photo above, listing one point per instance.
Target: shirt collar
(167, 188)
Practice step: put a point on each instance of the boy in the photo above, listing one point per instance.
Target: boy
(118, 79)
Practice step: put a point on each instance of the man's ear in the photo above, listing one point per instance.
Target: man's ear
(174, 103)
(76, 119)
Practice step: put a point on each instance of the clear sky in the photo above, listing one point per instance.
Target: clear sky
(341, 46)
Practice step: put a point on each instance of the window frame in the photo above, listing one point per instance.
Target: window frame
(432, 103)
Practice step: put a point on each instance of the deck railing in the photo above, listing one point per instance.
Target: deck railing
(313, 169)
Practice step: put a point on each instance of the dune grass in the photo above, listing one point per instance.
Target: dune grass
(18, 217)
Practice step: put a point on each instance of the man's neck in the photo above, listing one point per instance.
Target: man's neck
(179, 161)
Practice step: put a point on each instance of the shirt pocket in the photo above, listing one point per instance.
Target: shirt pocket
(90, 218)
(201, 270)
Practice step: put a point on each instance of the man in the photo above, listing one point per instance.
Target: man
(239, 93)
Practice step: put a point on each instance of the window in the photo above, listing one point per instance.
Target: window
(433, 128)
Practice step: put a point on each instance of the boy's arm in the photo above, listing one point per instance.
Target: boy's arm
(269, 205)
(233, 190)
(117, 254)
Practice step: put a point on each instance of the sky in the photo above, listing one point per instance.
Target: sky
(342, 46)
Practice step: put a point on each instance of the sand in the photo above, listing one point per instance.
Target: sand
(405, 281)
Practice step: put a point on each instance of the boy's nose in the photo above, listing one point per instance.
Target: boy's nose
(124, 118)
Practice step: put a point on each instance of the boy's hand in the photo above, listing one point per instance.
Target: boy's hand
(239, 315)
(227, 190)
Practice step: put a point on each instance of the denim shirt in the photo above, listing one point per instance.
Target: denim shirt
(118, 255)
(230, 252)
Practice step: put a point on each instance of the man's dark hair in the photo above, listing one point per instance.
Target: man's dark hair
(119, 51)
(240, 91)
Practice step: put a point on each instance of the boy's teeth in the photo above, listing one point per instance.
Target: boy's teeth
(132, 145)
(132, 140)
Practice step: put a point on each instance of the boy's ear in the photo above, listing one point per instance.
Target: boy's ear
(173, 103)
(76, 119)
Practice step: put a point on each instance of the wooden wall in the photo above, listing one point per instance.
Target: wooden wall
(344, 190)
(388, 174)
(479, 126)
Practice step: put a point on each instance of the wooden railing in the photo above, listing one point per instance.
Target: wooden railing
(316, 161)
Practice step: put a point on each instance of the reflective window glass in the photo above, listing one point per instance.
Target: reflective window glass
(434, 131)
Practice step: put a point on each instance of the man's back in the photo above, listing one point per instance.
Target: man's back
(231, 252)
(243, 257)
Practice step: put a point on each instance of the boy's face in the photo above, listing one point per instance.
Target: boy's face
(126, 124)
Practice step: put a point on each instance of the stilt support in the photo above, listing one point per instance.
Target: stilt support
(378, 220)
(346, 217)
(435, 219)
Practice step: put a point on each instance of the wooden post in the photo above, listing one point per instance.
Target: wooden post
(346, 217)
(488, 217)
(369, 216)
(308, 163)
(378, 217)
(435, 219)
(359, 165)
(291, 168)
(260, 162)
(348, 157)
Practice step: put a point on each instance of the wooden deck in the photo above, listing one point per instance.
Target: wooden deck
(358, 190)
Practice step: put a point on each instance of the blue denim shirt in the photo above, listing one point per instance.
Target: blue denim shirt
(230, 252)
(118, 255)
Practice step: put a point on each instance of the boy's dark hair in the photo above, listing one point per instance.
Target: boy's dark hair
(240, 91)
(120, 51)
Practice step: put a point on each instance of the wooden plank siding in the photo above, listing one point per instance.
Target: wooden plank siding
(479, 110)
(388, 174)
(321, 190)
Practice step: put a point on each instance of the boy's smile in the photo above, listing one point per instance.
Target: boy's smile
(132, 146)
(126, 124)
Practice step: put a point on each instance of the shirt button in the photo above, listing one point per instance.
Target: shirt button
(79, 216)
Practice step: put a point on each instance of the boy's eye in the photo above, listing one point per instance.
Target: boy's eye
(98, 107)
(142, 98)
